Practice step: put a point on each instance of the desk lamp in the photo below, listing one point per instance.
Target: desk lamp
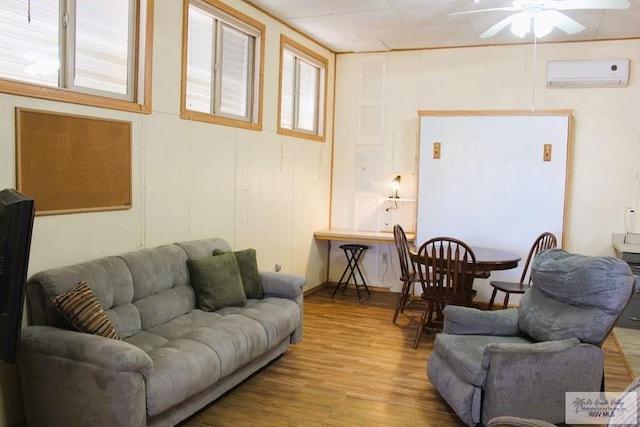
(395, 184)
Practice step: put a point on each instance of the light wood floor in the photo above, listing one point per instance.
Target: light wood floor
(629, 342)
(354, 367)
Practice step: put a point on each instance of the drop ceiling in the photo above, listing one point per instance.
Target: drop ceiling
(386, 25)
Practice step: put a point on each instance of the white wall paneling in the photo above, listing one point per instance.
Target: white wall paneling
(491, 186)
(402, 149)
(371, 106)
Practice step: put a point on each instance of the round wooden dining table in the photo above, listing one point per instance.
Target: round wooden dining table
(488, 260)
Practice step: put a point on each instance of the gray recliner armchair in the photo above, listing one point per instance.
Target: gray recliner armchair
(520, 362)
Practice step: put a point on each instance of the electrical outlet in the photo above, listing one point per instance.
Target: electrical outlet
(384, 258)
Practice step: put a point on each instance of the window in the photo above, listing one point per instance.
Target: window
(223, 65)
(302, 91)
(86, 47)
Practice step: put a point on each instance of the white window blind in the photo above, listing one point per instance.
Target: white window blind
(235, 72)
(302, 83)
(308, 86)
(286, 93)
(102, 45)
(86, 46)
(29, 42)
(200, 60)
(222, 54)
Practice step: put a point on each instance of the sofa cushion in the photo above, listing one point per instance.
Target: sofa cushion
(248, 266)
(235, 339)
(204, 247)
(545, 319)
(277, 316)
(157, 269)
(83, 310)
(581, 280)
(574, 296)
(196, 350)
(161, 285)
(217, 281)
(109, 279)
(181, 369)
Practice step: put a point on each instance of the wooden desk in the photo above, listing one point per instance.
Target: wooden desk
(342, 234)
(346, 235)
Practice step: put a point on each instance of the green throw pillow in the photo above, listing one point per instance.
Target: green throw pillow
(217, 282)
(248, 265)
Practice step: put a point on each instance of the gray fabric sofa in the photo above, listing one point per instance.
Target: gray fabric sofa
(520, 362)
(173, 358)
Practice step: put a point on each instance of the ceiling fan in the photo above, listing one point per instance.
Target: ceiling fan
(544, 15)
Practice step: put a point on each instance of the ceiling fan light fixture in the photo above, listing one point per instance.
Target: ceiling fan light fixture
(543, 25)
(521, 26)
(544, 16)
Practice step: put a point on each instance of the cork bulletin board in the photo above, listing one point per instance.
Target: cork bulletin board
(70, 163)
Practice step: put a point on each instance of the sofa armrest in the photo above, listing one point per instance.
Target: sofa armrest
(534, 378)
(471, 321)
(288, 286)
(514, 350)
(73, 378)
(282, 285)
(96, 350)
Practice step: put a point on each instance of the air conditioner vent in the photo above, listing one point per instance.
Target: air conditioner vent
(588, 73)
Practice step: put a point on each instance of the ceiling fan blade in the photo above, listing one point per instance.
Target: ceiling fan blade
(587, 4)
(562, 21)
(500, 26)
(494, 9)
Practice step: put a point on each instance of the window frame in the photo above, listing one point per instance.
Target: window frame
(300, 51)
(141, 71)
(228, 16)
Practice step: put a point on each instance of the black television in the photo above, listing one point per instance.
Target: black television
(16, 224)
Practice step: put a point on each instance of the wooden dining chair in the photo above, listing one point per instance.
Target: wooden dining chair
(448, 267)
(408, 273)
(544, 241)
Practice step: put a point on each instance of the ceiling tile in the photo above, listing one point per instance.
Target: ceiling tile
(371, 20)
(362, 46)
(376, 25)
(387, 34)
(617, 20)
(407, 44)
(441, 32)
(399, 4)
(284, 9)
(325, 28)
(434, 13)
(351, 6)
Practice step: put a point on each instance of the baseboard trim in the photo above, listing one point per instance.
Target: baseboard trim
(483, 305)
(333, 284)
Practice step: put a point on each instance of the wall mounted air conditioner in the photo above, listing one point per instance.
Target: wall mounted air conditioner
(588, 73)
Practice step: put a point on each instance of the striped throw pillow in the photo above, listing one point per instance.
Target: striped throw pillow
(83, 310)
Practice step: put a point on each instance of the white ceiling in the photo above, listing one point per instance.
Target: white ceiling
(384, 25)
